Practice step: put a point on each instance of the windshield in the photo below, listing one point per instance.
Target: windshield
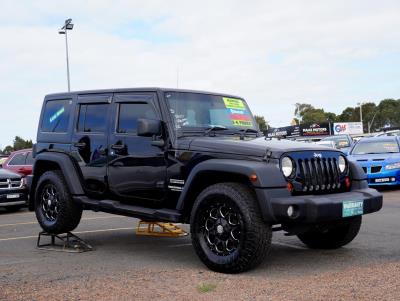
(376, 147)
(195, 111)
(340, 141)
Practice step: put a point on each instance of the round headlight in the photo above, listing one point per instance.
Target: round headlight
(342, 164)
(287, 166)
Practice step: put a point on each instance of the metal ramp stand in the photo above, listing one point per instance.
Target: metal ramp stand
(65, 242)
(159, 229)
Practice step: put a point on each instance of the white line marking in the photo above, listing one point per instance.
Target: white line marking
(84, 219)
(79, 232)
(289, 245)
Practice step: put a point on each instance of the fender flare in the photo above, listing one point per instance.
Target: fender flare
(268, 175)
(67, 166)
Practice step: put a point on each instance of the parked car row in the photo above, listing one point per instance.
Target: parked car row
(14, 169)
(378, 155)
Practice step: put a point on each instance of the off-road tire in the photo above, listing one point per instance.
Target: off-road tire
(255, 237)
(334, 238)
(69, 212)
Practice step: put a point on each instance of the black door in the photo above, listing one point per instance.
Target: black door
(89, 141)
(137, 169)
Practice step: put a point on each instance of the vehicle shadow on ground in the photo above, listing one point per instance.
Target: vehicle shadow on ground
(282, 261)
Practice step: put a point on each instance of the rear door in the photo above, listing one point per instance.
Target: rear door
(137, 169)
(89, 141)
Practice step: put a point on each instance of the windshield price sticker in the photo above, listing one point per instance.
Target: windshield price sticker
(234, 103)
(238, 112)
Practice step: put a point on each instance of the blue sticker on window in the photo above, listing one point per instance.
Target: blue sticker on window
(57, 114)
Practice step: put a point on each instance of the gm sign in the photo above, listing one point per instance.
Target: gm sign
(340, 128)
(351, 128)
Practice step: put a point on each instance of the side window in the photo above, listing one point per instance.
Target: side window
(56, 116)
(18, 159)
(92, 118)
(29, 159)
(129, 114)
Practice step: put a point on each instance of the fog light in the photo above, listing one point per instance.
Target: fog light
(290, 211)
(393, 179)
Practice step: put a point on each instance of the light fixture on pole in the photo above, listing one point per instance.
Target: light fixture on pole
(64, 30)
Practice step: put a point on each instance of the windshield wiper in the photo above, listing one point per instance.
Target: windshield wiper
(243, 132)
(214, 129)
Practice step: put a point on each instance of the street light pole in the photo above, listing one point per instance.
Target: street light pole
(64, 30)
(361, 118)
(66, 50)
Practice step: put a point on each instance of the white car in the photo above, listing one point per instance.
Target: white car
(389, 133)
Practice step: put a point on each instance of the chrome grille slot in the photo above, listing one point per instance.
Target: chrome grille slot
(11, 183)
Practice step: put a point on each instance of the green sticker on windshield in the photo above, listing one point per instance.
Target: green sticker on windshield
(234, 103)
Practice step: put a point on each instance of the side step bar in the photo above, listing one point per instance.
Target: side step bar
(111, 206)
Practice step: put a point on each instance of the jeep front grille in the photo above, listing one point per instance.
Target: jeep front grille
(318, 174)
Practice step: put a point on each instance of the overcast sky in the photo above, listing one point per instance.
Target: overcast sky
(331, 54)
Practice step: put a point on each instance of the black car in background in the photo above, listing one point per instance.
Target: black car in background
(13, 192)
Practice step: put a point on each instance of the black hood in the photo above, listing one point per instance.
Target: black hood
(6, 174)
(248, 147)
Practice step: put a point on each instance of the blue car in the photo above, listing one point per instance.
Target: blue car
(380, 159)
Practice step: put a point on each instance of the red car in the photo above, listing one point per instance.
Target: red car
(20, 162)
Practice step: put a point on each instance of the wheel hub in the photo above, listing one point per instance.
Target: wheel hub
(222, 229)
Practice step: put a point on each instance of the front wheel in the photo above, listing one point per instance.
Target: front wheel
(55, 210)
(227, 229)
(332, 236)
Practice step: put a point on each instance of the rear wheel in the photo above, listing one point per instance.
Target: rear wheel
(332, 236)
(55, 210)
(227, 230)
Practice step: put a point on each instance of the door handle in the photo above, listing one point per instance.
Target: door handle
(118, 146)
(80, 144)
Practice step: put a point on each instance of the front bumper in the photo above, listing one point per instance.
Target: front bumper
(384, 178)
(314, 208)
(19, 197)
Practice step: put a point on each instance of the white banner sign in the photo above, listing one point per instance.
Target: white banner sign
(351, 128)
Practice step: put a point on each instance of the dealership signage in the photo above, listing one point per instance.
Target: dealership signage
(304, 130)
(351, 128)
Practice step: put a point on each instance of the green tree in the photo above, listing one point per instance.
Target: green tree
(262, 123)
(7, 150)
(18, 143)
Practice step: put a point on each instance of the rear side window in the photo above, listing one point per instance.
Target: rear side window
(18, 159)
(92, 118)
(56, 116)
(129, 114)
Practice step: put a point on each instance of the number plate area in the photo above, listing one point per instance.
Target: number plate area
(12, 196)
(352, 208)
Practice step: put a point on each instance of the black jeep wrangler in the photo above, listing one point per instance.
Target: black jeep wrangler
(192, 157)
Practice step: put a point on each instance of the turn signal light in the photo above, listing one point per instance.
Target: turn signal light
(290, 187)
(253, 178)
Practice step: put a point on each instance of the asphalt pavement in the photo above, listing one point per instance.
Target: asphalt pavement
(117, 249)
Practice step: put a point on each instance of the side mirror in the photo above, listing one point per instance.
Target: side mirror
(148, 127)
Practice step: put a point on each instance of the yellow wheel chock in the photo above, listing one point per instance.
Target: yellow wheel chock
(159, 229)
